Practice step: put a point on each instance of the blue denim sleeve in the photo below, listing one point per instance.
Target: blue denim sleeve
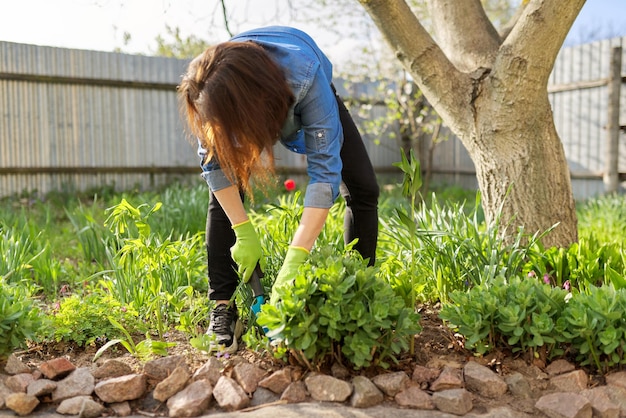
(323, 137)
(211, 172)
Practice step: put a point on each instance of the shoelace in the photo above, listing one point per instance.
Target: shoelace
(221, 320)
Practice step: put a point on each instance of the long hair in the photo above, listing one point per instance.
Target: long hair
(234, 98)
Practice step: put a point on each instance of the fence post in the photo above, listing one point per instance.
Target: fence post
(611, 172)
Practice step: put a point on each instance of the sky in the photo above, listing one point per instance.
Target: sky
(101, 24)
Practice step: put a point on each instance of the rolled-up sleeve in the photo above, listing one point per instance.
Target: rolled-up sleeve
(323, 138)
(211, 172)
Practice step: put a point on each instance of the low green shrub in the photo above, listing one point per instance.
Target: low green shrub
(20, 317)
(338, 307)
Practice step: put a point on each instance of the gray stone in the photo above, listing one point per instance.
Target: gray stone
(483, 381)
(365, 394)
(229, 395)
(191, 401)
(391, 383)
(453, 401)
(79, 382)
(4, 392)
(173, 384)
(414, 397)
(263, 396)
(84, 406)
(121, 409)
(41, 387)
(518, 385)
(123, 388)
(16, 366)
(564, 405)
(162, 367)
(327, 388)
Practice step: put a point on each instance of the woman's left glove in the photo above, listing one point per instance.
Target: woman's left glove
(296, 256)
(247, 249)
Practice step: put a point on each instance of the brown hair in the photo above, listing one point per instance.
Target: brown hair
(235, 99)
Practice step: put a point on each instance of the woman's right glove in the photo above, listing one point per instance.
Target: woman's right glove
(247, 249)
(296, 256)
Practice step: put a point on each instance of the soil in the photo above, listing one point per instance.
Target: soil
(436, 346)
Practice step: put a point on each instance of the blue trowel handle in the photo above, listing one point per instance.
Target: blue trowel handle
(257, 289)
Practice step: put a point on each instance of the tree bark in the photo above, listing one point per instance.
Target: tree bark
(492, 93)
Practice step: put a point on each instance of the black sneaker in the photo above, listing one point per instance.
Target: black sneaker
(226, 329)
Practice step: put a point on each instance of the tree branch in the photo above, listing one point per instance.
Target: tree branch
(225, 14)
(465, 33)
(533, 45)
(446, 88)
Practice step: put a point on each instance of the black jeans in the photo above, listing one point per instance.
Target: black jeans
(359, 188)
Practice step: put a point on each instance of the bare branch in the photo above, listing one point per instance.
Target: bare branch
(225, 14)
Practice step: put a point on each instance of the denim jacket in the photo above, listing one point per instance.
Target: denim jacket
(312, 126)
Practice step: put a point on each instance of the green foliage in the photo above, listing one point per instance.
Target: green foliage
(83, 319)
(519, 314)
(156, 276)
(144, 350)
(603, 219)
(595, 326)
(20, 317)
(339, 306)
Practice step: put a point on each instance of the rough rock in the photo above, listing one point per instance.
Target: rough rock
(414, 397)
(295, 392)
(56, 368)
(211, 371)
(19, 382)
(365, 394)
(162, 367)
(570, 382)
(16, 366)
(172, 384)
(41, 387)
(229, 395)
(192, 400)
(327, 388)
(112, 368)
(391, 383)
(450, 378)
(518, 385)
(79, 382)
(559, 366)
(84, 406)
(564, 405)
(21, 403)
(453, 401)
(123, 388)
(278, 381)
(423, 374)
(616, 379)
(601, 403)
(484, 381)
(248, 376)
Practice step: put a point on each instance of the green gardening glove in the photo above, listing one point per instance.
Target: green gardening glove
(247, 249)
(296, 256)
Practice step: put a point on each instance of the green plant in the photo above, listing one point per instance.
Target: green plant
(518, 314)
(83, 319)
(20, 317)
(338, 307)
(144, 350)
(595, 325)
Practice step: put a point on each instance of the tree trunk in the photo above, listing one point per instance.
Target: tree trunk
(492, 93)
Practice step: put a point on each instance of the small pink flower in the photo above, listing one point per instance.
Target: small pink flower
(546, 278)
(123, 309)
(566, 285)
(531, 273)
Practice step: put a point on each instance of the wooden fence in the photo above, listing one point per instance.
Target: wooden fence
(75, 120)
